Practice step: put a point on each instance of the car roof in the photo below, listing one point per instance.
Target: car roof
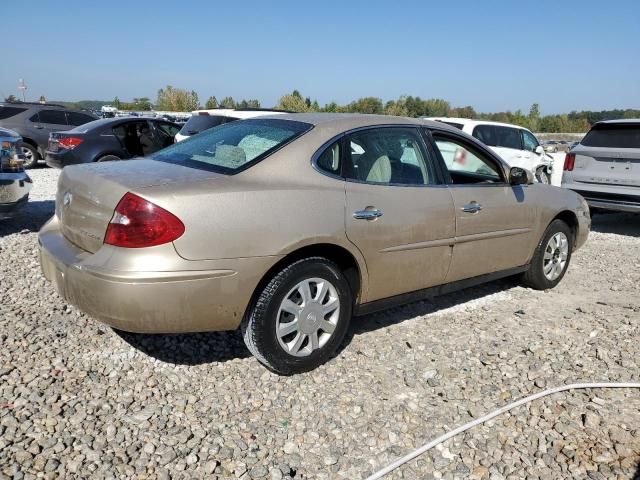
(471, 121)
(620, 121)
(85, 127)
(348, 121)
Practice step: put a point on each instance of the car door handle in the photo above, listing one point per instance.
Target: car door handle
(472, 207)
(367, 214)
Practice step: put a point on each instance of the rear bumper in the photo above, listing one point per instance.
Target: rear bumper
(625, 199)
(61, 160)
(150, 302)
(14, 193)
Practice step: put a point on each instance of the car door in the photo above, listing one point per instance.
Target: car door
(398, 212)
(48, 121)
(493, 219)
(164, 132)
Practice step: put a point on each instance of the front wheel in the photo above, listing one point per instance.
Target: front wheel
(108, 158)
(542, 176)
(31, 155)
(300, 317)
(551, 258)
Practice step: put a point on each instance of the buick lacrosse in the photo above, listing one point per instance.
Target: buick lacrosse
(288, 226)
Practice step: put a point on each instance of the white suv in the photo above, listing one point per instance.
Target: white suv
(516, 145)
(201, 120)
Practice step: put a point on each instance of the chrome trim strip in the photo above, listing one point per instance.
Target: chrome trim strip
(487, 235)
(415, 246)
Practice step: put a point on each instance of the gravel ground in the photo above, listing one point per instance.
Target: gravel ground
(78, 400)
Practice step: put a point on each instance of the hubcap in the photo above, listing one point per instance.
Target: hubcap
(555, 256)
(307, 317)
(28, 154)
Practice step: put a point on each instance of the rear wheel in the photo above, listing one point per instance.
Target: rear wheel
(551, 258)
(300, 317)
(31, 155)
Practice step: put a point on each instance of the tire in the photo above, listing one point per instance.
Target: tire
(547, 268)
(266, 315)
(542, 176)
(108, 158)
(31, 155)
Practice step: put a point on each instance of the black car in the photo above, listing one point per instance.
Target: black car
(109, 139)
(35, 121)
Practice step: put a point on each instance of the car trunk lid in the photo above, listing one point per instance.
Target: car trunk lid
(609, 166)
(88, 194)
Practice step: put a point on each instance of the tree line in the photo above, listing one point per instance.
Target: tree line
(181, 100)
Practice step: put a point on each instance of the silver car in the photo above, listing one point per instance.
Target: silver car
(605, 166)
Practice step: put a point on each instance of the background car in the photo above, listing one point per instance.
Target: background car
(109, 139)
(35, 121)
(15, 184)
(605, 166)
(550, 146)
(284, 226)
(202, 120)
(516, 145)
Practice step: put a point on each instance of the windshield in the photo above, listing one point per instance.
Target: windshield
(200, 123)
(613, 136)
(233, 147)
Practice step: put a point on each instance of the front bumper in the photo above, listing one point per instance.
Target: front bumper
(14, 193)
(179, 301)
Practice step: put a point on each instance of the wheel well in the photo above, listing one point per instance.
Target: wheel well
(570, 219)
(30, 142)
(339, 255)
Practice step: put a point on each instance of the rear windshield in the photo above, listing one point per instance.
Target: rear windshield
(200, 123)
(233, 147)
(8, 112)
(613, 135)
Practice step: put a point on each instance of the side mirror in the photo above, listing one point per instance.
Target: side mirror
(539, 150)
(520, 176)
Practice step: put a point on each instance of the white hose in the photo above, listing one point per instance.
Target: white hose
(443, 438)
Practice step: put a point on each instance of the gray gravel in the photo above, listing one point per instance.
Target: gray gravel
(78, 400)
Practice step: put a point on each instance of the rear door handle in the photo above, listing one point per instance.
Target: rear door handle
(367, 214)
(473, 207)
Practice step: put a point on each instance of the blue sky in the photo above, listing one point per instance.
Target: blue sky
(493, 55)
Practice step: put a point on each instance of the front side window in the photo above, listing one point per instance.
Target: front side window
(234, 146)
(55, 117)
(498, 136)
(465, 164)
(529, 141)
(388, 156)
(168, 128)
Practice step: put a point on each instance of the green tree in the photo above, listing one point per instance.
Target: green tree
(142, 103)
(248, 104)
(176, 100)
(366, 105)
(11, 98)
(293, 102)
(211, 103)
(117, 103)
(228, 102)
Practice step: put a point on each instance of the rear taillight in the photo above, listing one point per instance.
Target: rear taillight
(69, 142)
(569, 161)
(138, 223)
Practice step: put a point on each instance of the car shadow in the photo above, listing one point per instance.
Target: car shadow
(189, 348)
(618, 223)
(396, 315)
(30, 218)
(203, 348)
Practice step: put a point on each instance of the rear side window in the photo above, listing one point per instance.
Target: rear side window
(8, 112)
(200, 123)
(388, 156)
(329, 160)
(79, 118)
(498, 136)
(233, 147)
(613, 136)
(56, 117)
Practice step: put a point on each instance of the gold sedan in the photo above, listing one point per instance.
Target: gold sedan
(287, 226)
